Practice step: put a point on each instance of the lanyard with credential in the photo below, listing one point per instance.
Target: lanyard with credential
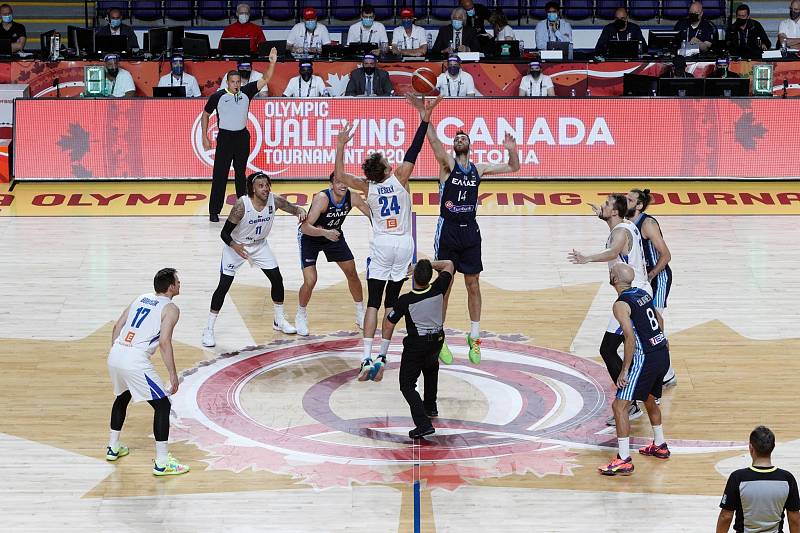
(300, 86)
(458, 90)
(311, 42)
(405, 42)
(361, 36)
(530, 87)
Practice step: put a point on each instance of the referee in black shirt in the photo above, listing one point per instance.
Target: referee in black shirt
(233, 140)
(423, 309)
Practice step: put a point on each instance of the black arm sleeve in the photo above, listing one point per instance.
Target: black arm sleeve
(400, 308)
(227, 229)
(211, 103)
(250, 89)
(416, 144)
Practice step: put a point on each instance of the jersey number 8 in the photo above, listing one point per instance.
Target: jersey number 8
(651, 316)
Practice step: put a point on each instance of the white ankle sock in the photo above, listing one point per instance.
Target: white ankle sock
(475, 330)
(658, 435)
(278, 312)
(212, 318)
(302, 311)
(367, 348)
(624, 446)
(360, 308)
(113, 439)
(162, 451)
(385, 346)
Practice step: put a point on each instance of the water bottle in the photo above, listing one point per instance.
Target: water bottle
(452, 50)
(55, 47)
(784, 50)
(521, 48)
(588, 91)
(683, 48)
(384, 49)
(429, 37)
(572, 93)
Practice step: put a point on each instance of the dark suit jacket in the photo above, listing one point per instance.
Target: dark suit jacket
(478, 21)
(469, 37)
(125, 30)
(381, 84)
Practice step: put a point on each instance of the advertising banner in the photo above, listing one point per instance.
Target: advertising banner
(296, 139)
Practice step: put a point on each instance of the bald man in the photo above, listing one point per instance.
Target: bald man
(644, 365)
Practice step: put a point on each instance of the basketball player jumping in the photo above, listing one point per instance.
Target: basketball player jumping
(145, 325)
(645, 363)
(392, 246)
(458, 237)
(624, 245)
(322, 232)
(245, 237)
(656, 255)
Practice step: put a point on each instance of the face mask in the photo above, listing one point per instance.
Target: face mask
(470, 12)
(694, 17)
(311, 25)
(536, 73)
(369, 71)
(367, 21)
(458, 24)
(619, 24)
(306, 74)
(794, 15)
(112, 71)
(552, 16)
(453, 70)
(245, 75)
(741, 22)
(177, 71)
(408, 24)
(115, 23)
(243, 18)
(8, 18)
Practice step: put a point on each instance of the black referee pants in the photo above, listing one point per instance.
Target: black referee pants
(420, 356)
(232, 146)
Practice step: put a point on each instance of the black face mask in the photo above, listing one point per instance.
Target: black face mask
(369, 71)
(535, 73)
(693, 17)
(620, 24)
(245, 75)
(794, 15)
(741, 22)
(306, 74)
(112, 71)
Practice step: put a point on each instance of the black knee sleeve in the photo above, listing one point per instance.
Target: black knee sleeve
(119, 409)
(608, 351)
(375, 292)
(225, 282)
(392, 293)
(162, 407)
(276, 282)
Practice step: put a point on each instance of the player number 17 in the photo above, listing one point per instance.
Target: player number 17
(139, 317)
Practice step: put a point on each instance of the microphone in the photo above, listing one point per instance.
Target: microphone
(57, 85)
(785, 87)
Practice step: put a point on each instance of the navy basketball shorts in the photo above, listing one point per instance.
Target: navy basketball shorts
(646, 376)
(461, 244)
(335, 251)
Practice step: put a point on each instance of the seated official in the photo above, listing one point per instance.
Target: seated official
(722, 70)
(455, 37)
(693, 30)
(789, 29)
(369, 80)
(367, 30)
(553, 28)
(13, 31)
(535, 83)
(408, 39)
(115, 26)
(309, 35)
(502, 30)
(746, 37)
(306, 85)
(179, 78)
(244, 29)
(247, 74)
(455, 82)
(119, 82)
(621, 29)
(677, 69)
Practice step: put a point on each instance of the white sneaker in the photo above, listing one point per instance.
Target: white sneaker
(633, 413)
(301, 324)
(208, 338)
(671, 382)
(360, 319)
(283, 326)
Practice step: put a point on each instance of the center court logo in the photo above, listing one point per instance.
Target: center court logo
(298, 410)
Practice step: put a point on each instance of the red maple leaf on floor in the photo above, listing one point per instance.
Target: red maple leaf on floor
(328, 475)
(554, 461)
(448, 476)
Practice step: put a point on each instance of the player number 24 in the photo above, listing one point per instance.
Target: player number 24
(139, 317)
(386, 207)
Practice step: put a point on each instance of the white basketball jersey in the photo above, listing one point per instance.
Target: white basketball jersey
(255, 225)
(634, 258)
(143, 328)
(390, 205)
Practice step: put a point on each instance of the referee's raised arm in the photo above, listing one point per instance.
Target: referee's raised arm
(267, 74)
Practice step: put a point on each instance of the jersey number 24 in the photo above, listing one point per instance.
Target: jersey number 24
(389, 206)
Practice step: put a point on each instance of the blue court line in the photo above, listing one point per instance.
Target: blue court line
(414, 235)
(416, 506)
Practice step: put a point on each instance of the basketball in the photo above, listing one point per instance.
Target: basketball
(424, 80)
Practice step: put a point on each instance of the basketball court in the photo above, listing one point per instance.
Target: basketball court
(281, 437)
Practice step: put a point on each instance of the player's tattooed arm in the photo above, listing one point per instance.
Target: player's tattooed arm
(285, 205)
(237, 213)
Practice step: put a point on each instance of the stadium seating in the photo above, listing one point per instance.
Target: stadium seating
(180, 10)
(102, 7)
(643, 9)
(216, 10)
(604, 9)
(149, 10)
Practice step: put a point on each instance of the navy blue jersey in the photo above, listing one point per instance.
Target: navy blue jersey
(458, 195)
(649, 337)
(650, 253)
(333, 217)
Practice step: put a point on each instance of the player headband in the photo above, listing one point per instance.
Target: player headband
(370, 56)
(452, 59)
(535, 64)
(258, 175)
(245, 65)
(111, 57)
(305, 64)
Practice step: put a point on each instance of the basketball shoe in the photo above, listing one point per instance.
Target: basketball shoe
(617, 467)
(172, 468)
(113, 455)
(376, 374)
(208, 338)
(474, 350)
(366, 369)
(284, 326)
(445, 354)
(661, 452)
(301, 324)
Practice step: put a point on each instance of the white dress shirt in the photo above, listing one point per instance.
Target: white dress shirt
(790, 27)
(297, 88)
(530, 86)
(374, 34)
(186, 80)
(299, 36)
(506, 34)
(404, 41)
(461, 85)
(121, 84)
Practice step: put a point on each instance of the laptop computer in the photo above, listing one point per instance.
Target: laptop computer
(5, 47)
(565, 47)
(505, 49)
(110, 43)
(623, 50)
(175, 91)
(359, 49)
(234, 47)
(332, 51)
(266, 46)
(196, 45)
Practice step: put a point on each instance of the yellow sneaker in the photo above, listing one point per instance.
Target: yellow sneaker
(474, 350)
(445, 354)
(113, 455)
(172, 468)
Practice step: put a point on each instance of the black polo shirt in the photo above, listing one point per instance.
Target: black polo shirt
(706, 31)
(759, 496)
(232, 109)
(13, 34)
(422, 307)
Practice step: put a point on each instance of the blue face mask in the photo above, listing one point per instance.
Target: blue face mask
(458, 24)
(367, 21)
(408, 24)
(552, 16)
(115, 23)
(311, 25)
(8, 18)
(470, 12)
(177, 71)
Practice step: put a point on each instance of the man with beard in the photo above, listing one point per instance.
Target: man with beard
(458, 237)
(621, 29)
(306, 84)
(789, 29)
(119, 82)
(536, 83)
(624, 245)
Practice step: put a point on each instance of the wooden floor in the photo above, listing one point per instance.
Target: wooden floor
(280, 438)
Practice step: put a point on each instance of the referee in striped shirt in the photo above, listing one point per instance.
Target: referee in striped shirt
(423, 309)
(232, 106)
